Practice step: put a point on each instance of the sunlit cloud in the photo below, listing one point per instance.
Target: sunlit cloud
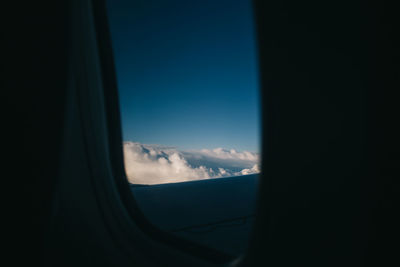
(155, 164)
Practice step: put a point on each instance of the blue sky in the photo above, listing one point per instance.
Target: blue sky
(187, 73)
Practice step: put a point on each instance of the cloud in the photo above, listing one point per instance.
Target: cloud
(155, 164)
(230, 154)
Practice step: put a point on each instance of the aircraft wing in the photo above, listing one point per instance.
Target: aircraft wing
(214, 212)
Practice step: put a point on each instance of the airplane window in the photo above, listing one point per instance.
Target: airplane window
(188, 86)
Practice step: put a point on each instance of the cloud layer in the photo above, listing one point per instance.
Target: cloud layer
(154, 164)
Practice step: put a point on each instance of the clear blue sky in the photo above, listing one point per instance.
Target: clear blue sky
(187, 72)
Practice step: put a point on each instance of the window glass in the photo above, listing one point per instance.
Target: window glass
(188, 85)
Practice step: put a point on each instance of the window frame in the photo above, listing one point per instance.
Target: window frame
(124, 217)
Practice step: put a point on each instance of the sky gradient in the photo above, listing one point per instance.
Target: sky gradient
(187, 73)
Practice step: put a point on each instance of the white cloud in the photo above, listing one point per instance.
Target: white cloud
(230, 154)
(154, 164)
(254, 169)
